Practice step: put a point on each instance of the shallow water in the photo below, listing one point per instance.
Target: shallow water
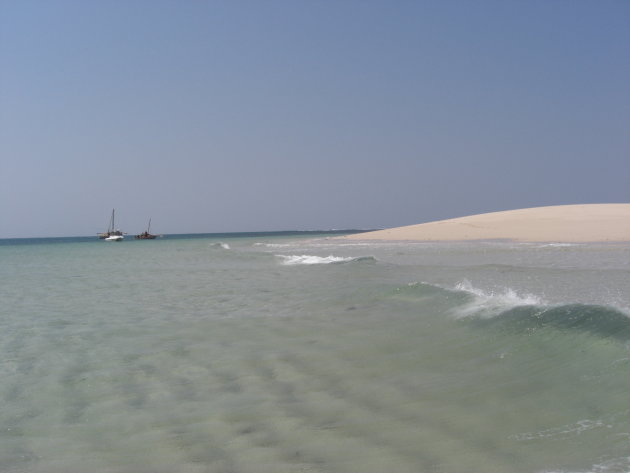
(292, 354)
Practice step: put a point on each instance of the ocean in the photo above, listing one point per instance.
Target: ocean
(300, 352)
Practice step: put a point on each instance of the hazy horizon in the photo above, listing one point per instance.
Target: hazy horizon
(220, 116)
(287, 231)
(130, 235)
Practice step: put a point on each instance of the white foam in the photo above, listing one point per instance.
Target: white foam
(222, 245)
(489, 303)
(274, 245)
(616, 465)
(562, 432)
(291, 260)
(560, 245)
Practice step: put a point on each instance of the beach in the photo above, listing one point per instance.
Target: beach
(562, 223)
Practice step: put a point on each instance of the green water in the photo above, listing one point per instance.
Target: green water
(294, 353)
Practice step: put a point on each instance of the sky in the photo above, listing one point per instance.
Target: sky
(261, 115)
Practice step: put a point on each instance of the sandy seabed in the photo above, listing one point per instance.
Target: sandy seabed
(562, 223)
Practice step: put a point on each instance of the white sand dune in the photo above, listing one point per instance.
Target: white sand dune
(562, 223)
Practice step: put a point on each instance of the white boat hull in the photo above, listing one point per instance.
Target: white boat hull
(111, 234)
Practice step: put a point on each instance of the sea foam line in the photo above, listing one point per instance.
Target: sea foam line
(292, 260)
(562, 432)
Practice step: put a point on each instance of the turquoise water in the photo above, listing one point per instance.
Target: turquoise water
(294, 353)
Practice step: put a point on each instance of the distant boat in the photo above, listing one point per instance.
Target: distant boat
(112, 234)
(146, 235)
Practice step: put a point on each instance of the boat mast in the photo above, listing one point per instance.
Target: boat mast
(111, 224)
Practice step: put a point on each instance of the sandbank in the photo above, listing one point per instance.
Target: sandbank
(561, 223)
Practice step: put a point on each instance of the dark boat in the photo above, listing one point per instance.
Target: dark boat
(146, 235)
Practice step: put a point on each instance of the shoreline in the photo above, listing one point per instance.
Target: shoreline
(581, 223)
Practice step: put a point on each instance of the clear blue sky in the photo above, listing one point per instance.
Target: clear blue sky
(254, 115)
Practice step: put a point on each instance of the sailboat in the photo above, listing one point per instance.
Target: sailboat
(146, 235)
(112, 234)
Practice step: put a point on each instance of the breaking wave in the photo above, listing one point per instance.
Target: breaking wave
(293, 260)
(490, 303)
(512, 312)
(509, 311)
